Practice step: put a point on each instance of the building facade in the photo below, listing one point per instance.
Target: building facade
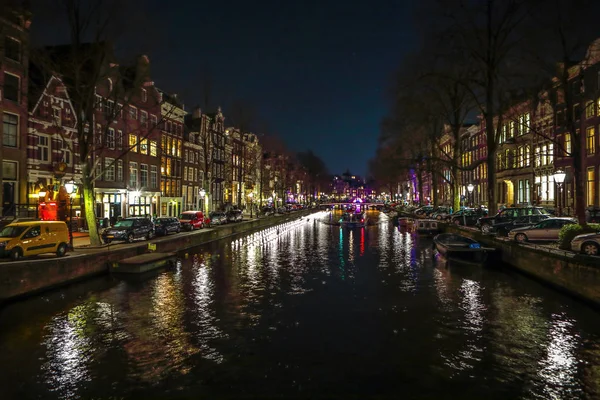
(14, 24)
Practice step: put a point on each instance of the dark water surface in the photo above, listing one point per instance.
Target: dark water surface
(314, 312)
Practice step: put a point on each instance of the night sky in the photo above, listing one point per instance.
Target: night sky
(315, 72)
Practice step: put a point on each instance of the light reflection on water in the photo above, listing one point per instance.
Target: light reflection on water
(307, 309)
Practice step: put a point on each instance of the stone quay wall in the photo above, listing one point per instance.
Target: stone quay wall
(575, 274)
(31, 276)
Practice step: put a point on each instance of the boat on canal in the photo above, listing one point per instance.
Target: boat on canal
(462, 248)
(406, 222)
(353, 220)
(428, 226)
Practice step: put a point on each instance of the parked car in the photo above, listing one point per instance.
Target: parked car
(547, 230)
(467, 216)
(129, 229)
(592, 215)
(166, 225)
(22, 239)
(502, 228)
(267, 211)
(234, 216)
(423, 211)
(217, 217)
(441, 213)
(191, 220)
(588, 243)
(507, 215)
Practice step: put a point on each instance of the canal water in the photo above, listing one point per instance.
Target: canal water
(305, 310)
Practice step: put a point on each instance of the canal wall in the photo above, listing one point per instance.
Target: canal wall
(572, 273)
(31, 276)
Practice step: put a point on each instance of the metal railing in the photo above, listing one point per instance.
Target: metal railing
(14, 211)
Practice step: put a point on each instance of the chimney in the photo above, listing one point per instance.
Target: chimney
(196, 113)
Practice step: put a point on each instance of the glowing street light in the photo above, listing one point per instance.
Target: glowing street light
(559, 177)
(71, 188)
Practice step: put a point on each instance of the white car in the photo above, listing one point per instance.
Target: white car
(588, 243)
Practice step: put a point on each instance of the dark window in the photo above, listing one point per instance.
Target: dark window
(11, 87)
(12, 48)
(11, 129)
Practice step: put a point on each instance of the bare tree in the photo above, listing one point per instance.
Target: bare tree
(487, 32)
(101, 91)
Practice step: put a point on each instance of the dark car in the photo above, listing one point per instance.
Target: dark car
(502, 228)
(506, 215)
(129, 229)
(592, 215)
(234, 216)
(217, 217)
(467, 216)
(166, 225)
(424, 211)
(267, 211)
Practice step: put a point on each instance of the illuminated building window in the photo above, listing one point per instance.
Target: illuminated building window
(133, 142)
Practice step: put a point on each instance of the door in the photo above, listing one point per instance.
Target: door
(32, 241)
(8, 198)
(542, 231)
(137, 229)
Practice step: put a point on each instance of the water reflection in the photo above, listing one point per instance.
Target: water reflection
(69, 351)
(558, 368)
(307, 309)
(203, 313)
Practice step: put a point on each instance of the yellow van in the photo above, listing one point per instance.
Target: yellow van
(22, 239)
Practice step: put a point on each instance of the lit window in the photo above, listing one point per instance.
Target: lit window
(153, 151)
(133, 142)
(590, 140)
(144, 146)
(591, 186)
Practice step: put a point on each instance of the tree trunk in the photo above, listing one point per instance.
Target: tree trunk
(420, 184)
(2, 170)
(579, 177)
(89, 206)
(456, 182)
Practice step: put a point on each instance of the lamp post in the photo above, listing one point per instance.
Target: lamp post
(70, 187)
(251, 195)
(559, 177)
(202, 193)
(470, 188)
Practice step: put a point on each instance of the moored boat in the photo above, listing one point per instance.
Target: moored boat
(354, 220)
(406, 222)
(427, 226)
(453, 246)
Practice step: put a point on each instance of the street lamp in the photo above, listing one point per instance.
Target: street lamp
(202, 193)
(470, 188)
(70, 188)
(559, 177)
(251, 195)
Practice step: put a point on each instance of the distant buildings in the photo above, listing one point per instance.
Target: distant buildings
(150, 155)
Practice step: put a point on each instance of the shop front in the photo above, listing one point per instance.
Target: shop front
(141, 204)
(171, 206)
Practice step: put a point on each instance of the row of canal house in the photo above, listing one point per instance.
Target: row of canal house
(151, 157)
(534, 143)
